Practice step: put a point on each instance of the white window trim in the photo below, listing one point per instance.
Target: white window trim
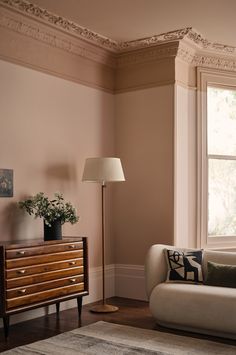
(218, 78)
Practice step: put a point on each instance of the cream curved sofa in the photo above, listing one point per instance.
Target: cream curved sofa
(196, 308)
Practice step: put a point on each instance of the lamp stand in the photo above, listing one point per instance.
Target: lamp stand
(104, 307)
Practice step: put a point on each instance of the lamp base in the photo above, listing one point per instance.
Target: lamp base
(103, 308)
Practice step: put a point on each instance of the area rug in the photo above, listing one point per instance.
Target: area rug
(104, 338)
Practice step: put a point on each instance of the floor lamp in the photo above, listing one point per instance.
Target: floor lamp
(103, 170)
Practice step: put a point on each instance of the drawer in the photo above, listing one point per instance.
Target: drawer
(44, 249)
(42, 259)
(23, 291)
(47, 276)
(45, 295)
(30, 270)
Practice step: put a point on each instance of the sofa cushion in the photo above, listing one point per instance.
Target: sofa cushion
(221, 275)
(184, 265)
(221, 257)
(210, 308)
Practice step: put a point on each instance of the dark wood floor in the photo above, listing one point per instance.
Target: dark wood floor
(131, 312)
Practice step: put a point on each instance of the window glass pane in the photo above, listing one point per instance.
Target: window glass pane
(222, 197)
(221, 121)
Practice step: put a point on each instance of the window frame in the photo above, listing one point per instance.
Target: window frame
(219, 79)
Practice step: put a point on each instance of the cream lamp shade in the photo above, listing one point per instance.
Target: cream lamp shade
(103, 170)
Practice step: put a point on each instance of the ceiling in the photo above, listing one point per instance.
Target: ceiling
(125, 20)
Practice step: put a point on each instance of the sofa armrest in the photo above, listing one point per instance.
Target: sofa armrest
(155, 267)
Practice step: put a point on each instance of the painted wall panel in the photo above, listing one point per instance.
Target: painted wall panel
(143, 207)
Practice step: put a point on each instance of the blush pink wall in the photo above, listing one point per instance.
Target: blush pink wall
(144, 204)
(48, 127)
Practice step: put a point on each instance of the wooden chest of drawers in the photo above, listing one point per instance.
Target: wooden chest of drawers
(37, 274)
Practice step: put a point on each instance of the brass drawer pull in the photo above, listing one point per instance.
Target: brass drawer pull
(72, 246)
(72, 280)
(21, 272)
(72, 263)
(21, 252)
(22, 291)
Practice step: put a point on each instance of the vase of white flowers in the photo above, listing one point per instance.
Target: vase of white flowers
(54, 212)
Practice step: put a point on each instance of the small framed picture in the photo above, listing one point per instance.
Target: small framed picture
(6, 183)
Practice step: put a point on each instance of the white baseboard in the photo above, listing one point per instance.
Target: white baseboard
(95, 283)
(130, 281)
(120, 280)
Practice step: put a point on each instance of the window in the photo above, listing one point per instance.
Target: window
(217, 160)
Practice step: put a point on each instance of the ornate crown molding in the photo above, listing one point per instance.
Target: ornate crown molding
(65, 43)
(60, 22)
(203, 43)
(186, 44)
(197, 59)
(163, 38)
(147, 54)
(86, 34)
(216, 63)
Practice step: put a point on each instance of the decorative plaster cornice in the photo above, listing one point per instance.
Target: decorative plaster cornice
(186, 44)
(186, 55)
(66, 43)
(74, 29)
(214, 62)
(154, 40)
(147, 54)
(197, 59)
(203, 43)
(35, 11)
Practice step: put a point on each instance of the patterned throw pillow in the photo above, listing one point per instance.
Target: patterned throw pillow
(184, 266)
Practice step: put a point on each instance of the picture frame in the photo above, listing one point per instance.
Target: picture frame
(6, 183)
